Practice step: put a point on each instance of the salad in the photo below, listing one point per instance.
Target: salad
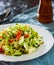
(18, 40)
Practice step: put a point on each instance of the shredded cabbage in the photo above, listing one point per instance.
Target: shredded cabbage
(19, 39)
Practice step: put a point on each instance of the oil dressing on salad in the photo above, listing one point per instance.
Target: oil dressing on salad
(18, 40)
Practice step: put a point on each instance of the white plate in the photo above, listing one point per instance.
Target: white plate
(43, 49)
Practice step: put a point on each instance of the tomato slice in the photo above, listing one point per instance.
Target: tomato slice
(1, 37)
(18, 35)
(11, 40)
(1, 50)
(26, 35)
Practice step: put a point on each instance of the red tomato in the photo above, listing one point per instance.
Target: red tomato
(18, 35)
(1, 50)
(1, 37)
(26, 35)
(11, 40)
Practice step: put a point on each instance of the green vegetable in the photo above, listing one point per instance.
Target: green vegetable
(28, 41)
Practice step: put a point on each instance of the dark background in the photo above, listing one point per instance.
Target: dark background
(17, 7)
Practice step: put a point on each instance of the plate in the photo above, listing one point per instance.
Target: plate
(43, 49)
